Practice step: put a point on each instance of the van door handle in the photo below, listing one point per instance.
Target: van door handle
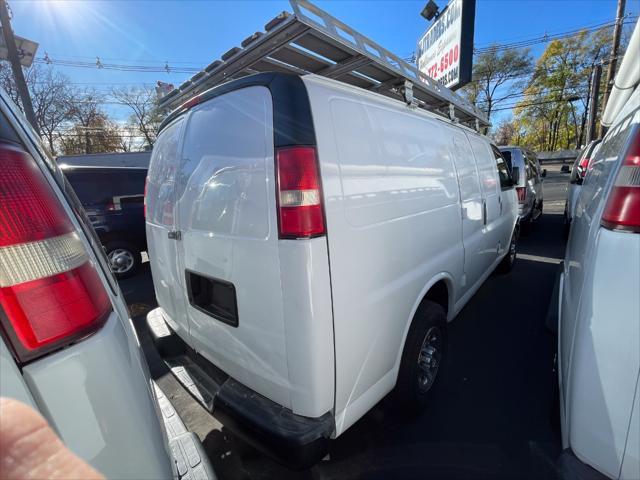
(484, 211)
(174, 235)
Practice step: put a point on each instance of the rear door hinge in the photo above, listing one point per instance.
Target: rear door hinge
(175, 235)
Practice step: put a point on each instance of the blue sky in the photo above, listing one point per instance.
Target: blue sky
(194, 33)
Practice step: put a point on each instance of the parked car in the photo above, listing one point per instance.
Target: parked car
(578, 172)
(529, 186)
(113, 198)
(309, 242)
(599, 308)
(67, 346)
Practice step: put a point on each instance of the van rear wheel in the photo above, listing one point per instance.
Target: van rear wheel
(423, 358)
(124, 258)
(506, 265)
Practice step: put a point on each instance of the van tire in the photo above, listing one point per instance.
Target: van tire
(409, 396)
(131, 253)
(509, 260)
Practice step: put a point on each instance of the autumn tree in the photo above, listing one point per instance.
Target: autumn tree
(90, 130)
(506, 133)
(498, 75)
(553, 111)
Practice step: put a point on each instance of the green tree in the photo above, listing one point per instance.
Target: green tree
(552, 113)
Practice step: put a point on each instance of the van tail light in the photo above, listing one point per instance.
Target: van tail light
(522, 194)
(50, 292)
(300, 212)
(622, 211)
(583, 166)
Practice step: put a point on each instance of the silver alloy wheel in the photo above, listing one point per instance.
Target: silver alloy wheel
(429, 358)
(121, 260)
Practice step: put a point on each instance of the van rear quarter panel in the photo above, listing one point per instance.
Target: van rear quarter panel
(393, 228)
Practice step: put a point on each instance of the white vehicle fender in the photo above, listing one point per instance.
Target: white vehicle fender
(448, 279)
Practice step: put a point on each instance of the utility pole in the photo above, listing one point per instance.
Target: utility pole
(594, 93)
(611, 71)
(14, 58)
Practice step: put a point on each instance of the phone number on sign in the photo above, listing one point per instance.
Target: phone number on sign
(447, 60)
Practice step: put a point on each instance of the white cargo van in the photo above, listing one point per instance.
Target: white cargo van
(309, 240)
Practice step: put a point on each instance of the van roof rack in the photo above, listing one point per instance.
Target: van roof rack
(312, 41)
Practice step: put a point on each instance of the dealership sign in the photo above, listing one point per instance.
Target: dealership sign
(445, 51)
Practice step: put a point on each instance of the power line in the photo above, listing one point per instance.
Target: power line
(532, 104)
(112, 59)
(571, 91)
(98, 64)
(550, 37)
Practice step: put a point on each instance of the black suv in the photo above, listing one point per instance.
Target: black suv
(113, 198)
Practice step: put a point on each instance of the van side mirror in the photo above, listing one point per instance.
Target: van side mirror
(544, 172)
(565, 169)
(515, 175)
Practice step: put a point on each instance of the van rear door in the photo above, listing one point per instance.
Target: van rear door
(471, 200)
(229, 250)
(491, 208)
(161, 226)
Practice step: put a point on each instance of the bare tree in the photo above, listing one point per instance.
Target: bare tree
(51, 95)
(145, 117)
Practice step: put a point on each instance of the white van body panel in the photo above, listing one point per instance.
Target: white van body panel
(599, 323)
(395, 227)
(631, 462)
(409, 200)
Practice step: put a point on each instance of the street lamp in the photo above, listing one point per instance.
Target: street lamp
(430, 10)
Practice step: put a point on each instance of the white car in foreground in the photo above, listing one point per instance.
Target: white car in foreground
(599, 310)
(67, 346)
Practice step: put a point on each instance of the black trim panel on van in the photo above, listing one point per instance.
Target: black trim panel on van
(213, 297)
(292, 120)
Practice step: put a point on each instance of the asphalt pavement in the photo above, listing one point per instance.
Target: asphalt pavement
(492, 415)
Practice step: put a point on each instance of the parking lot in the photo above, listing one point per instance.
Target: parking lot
(493, 414)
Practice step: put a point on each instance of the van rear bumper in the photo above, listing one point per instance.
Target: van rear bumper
(291, 439)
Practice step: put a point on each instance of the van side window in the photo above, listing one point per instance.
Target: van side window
(503, 169)
(531, 162)
(528, 169)
(165, 161)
